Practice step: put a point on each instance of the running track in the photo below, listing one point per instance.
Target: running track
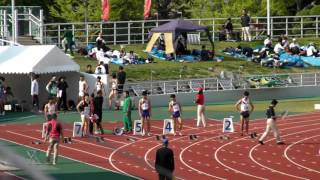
(240, 157)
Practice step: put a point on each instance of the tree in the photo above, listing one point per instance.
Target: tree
(169, 9)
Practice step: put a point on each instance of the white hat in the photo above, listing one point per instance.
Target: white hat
(294, 39)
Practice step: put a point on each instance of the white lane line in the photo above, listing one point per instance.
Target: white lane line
(271, 169)
(59, 145)
(181, 153)
(89, 164)
(119, 148)
(297, 164)
(216, 152)
(148, 152)
(92, 144)
(101, 136)
(11, 174)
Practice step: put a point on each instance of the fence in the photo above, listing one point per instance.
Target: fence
(136, 32)
(26, 20)
(233, 82)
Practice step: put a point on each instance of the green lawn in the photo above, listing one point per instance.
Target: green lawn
(66, 169)
(214, 110)
(171, 70)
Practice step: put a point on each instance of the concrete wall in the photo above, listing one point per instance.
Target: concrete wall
(234, 95)
(21, 86)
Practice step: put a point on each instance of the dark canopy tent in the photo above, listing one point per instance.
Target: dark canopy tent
(172, 30)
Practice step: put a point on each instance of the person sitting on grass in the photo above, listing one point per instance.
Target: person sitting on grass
(268, 43)
(247, 51)
(204, 54)
(278, 48)
(311, 50)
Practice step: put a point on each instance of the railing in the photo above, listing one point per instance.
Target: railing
(8, 43)
(136, 32)
(26, 21)
(214, 84)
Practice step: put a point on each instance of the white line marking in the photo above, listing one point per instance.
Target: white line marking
(104, 138)
(147, 153)
(99, 167)
(297, 164)
(11, 174)
(216, 152)
(273, 170)
(59, 145)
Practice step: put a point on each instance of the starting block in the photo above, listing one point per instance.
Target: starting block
(224, 137)
(317, 106)
(253, 135)
(158, 138)
(67, 140)
(131, 139)
(99, 139)
(36, 142)
(193, 137)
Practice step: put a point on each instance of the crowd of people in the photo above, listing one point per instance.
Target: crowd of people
(102, 53)
(269, 54)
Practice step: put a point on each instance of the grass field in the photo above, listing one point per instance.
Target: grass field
(171, 70)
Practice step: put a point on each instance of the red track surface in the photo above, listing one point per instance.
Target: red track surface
(206, 158)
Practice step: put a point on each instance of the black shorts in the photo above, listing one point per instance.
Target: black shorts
(245, 114)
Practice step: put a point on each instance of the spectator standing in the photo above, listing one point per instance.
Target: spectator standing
(99, 86)
(100, 42)
(62, 93)
(229, 28)
(35, 92)
(245, 23)
(89, 69)
(69, 41)
(52, 87)
(83, 87)
(121, 77)
(113, 91)
(2, 95)
(164, 163)
(100, 69)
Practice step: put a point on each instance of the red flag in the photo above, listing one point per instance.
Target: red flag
(105, 7)
(147, 8)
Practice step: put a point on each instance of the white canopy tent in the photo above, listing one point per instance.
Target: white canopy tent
(18, 63)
